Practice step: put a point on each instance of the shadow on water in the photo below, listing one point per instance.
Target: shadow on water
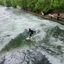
(19, 41)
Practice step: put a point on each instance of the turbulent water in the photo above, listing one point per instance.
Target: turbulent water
(48, 40)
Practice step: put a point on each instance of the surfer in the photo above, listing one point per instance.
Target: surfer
(31, 32)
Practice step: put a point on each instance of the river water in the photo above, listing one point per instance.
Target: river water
(49, 39)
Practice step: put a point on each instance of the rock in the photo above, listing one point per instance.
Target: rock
(42, 13)
(51, 15)
(26, 57)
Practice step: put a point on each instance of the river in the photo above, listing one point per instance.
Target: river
(49, 39)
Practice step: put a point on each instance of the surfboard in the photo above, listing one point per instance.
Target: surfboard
(28, 38)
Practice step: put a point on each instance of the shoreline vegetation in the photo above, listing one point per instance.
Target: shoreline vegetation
(48, 9)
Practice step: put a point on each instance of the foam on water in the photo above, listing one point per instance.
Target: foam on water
(14, 21)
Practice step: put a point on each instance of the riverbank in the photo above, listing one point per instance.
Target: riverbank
(54, 17)
(51, 16)
(52, 8)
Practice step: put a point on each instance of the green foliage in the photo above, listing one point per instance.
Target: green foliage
(8, 3)
(1, 2)
(39, 6)
(45, 6)
(31, 4)
(14, 3)
(19, 3)
(24, 4)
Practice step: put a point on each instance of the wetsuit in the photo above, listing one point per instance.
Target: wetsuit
(31, 32)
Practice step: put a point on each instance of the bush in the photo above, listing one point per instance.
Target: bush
(1, 2)
(8, 3)
(36, 5)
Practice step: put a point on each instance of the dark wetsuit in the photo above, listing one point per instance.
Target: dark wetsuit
(31, 32)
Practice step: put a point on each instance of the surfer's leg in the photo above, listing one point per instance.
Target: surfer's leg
(30, 34)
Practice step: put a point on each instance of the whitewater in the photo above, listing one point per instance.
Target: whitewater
(49, 39)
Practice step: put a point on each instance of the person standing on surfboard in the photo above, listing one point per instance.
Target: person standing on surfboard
(31, 32)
